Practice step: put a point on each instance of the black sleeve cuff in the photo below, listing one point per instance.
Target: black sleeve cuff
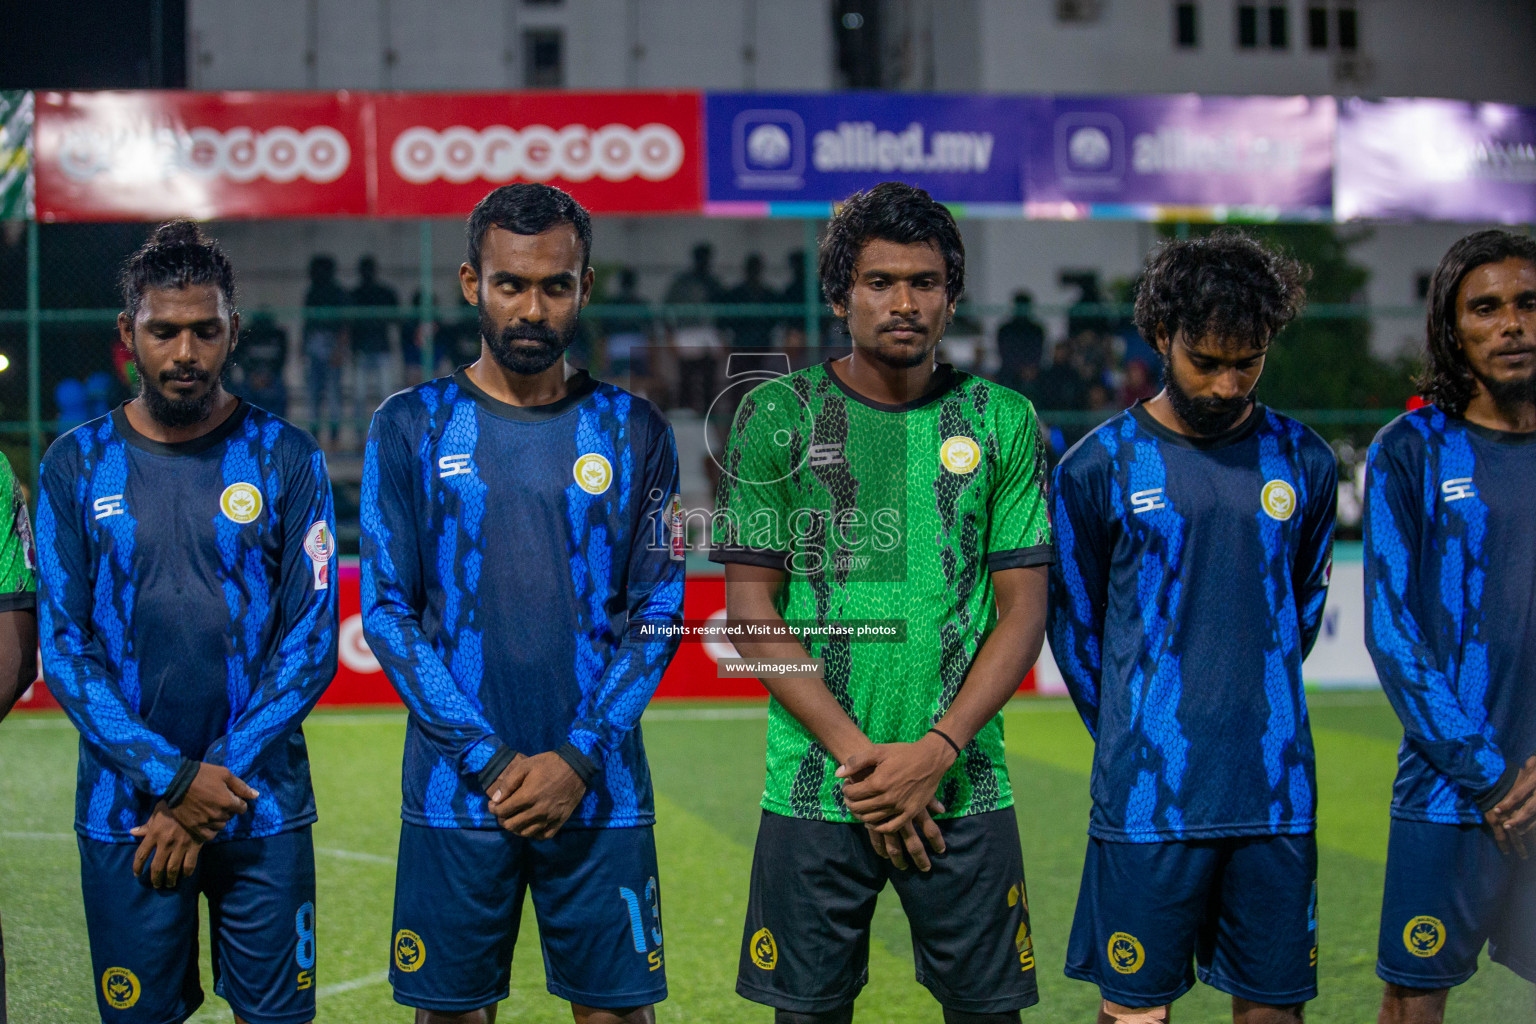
(750, 556)
(494, 767)
(1021, 558)
(20, 601)
(1500, 790)
(176, 792)
(580, 763)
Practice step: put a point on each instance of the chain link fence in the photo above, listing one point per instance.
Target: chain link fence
(322, 345)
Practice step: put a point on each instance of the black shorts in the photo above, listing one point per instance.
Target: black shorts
(805, 947)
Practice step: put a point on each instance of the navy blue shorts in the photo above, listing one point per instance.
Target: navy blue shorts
(1449, 890)
(459, 901)
(261, 911)
(1244, 908)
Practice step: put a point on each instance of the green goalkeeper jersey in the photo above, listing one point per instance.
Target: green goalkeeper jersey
(888, 521)
(18, 561)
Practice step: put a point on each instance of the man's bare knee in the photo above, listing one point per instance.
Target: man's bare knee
(1246, 1011)
(1114, 1013)
(484, 1015)
(841, 1015)
(594, 1015)
(1401, 1004)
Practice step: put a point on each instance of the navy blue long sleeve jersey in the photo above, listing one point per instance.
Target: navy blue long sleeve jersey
(187, 613)
(517, 563)
(1189, 586)
(1450, 600)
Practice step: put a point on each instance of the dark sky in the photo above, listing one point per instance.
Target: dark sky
(93, 44)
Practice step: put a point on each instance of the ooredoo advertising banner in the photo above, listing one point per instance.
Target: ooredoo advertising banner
(801, 148)
(439, 154)
(1408, 159)
(1248, 157)
(152, 155)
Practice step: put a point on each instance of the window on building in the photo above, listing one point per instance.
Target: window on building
(1349, 29)
(1279, 27)
(1247, 26)
(1186, 25)
(543, 58)
(1317, 28)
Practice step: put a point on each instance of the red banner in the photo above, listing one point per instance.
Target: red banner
(360, 680)
(439, 154)
(154, 155)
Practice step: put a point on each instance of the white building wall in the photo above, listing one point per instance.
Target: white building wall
(1475, 49)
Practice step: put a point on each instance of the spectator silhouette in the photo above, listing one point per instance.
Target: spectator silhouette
(753, 330)
(373, 362)
(324, 348)
(627, 329)
(695, 339)
(1020, 343)
(261, 356)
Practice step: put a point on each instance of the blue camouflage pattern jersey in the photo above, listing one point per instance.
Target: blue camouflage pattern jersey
(1450, 603)
(1189, 586)
(187, 613)
(521, 589)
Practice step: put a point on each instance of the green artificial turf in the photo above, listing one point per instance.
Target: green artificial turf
(707, 764)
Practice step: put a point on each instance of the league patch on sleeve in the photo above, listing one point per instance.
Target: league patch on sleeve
(677, 541)
(319, 545)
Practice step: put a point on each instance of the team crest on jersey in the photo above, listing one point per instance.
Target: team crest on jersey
(593, 473)
(764, 951)
(1125, 953)
(1424, 935)
(410, 951)
(319, 545)
(1279, 500)
(960, 454)
(240, 503)
(120, 987)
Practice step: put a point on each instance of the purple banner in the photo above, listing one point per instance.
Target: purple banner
(1407, 159)
(1240, 158)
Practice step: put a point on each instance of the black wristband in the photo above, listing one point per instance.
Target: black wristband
(488, 775)
(181, 782)
(584, 767)
(1487, 801)
(943, 736)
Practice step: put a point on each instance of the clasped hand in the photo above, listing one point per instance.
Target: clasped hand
(1515, 815)
(173, 836)
(534, 796)
(890, 787)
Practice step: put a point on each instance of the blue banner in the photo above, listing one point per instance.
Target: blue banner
(1181, 157)
(794, 153)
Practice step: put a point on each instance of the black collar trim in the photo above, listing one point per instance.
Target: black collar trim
(944, 379)
(1233, 435)
(1514, 438)
(579, 385)
(196, 446)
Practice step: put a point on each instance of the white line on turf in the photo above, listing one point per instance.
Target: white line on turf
(366, 858)
(37, 835)
(336, 989)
